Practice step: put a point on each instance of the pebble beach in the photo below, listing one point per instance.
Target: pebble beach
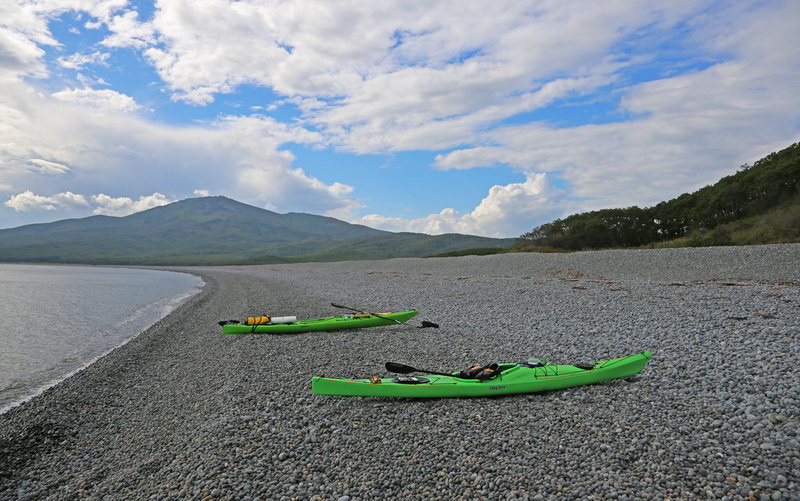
(185, 412)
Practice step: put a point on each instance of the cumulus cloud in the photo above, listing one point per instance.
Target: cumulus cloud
(128, 32)
(103, 99)
(101, 203)
(27, 201)
(123, 206)
(506, 211)
(263, 170)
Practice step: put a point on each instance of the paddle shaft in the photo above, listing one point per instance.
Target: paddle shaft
(365, 313)
(407, 369)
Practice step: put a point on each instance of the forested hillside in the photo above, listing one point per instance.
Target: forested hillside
(767, 192)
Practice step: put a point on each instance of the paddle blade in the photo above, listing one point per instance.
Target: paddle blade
(399, 368)
(426, 324)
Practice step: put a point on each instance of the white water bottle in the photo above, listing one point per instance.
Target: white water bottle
(282, 320)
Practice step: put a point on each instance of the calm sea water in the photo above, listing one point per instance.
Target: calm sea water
(56, 320)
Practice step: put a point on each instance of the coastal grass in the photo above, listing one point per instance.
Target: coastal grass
(776, 226)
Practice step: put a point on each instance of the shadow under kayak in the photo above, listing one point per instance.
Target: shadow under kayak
(321, 324)
(512, 378)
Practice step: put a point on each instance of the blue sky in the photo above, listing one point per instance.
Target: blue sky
(430, 116)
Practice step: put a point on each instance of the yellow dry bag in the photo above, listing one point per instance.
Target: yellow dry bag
(264, 319)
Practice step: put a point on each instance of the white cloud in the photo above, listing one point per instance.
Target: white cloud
(427, 132)
(20, 37)
(128, 32)
(202, 193)
(78, 61)
(103, 204)
(69, 199)
(263, 172)
(25, 29)
(424, 75)
(47, 167)
(506, 211)
(103, 99)
(122, 206)
(690, 131)
(28, 201)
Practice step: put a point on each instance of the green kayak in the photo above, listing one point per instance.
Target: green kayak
(502, 379)
(320, 324)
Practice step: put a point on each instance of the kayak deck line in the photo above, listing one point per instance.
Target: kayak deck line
(368, 382)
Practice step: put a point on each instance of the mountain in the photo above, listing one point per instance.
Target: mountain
(218, 231)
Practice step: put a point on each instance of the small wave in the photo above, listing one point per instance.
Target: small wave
(144, 317)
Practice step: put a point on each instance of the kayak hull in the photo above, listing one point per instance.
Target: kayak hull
(321, 324)
(517, 379)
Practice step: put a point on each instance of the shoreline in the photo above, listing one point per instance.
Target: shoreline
(183, 410)
(149, 312)
(170, 303)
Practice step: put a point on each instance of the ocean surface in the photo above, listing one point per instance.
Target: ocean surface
(56, 320)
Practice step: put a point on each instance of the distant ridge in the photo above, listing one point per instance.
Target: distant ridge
(218, 231)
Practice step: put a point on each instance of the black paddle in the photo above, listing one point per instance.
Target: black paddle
(407, 369)
(425, 323)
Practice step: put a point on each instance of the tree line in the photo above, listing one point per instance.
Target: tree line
(753, 190)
